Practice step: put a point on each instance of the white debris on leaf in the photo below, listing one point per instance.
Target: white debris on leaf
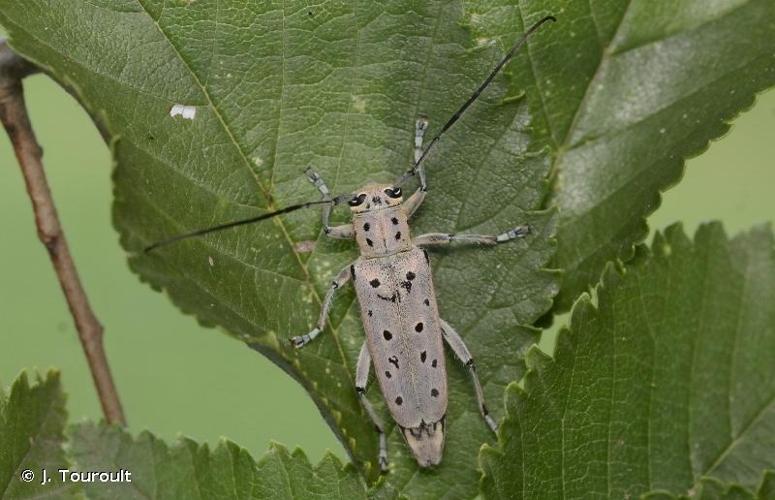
(211, 261)
(359, 104)
(305, 246)
(187, 112)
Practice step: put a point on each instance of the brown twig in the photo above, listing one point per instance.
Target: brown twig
(13, 114)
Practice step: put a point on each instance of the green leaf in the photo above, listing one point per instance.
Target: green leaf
(32, 420)
(623, 92)
(278, 86)
(190, 470)
(667, 381)
(707, 489)
(766, 489)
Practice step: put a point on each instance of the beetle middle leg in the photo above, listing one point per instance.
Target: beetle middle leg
(343, 232)
(341, 279)
(455, 341)
(361, 379)
(438, 239)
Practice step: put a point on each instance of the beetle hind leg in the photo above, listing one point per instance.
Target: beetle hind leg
(455, 341)
(361, 379)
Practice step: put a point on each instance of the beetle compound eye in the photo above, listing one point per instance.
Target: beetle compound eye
(357, 200)
(393, 192)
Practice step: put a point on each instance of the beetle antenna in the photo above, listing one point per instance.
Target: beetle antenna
(455, 117)
(228, 225)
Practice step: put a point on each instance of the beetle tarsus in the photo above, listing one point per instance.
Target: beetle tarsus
(491, 423)
(301, 340)
(511, 234)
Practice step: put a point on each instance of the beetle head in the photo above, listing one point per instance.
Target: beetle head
(375, 197)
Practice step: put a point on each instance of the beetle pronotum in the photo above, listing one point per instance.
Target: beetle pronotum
(393, 283)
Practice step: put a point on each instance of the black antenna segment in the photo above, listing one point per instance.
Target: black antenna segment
(455, 117)
(251, 220)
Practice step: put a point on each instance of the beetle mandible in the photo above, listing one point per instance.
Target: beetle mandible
(394, 286)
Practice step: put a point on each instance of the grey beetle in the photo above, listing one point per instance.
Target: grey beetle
(394, 285)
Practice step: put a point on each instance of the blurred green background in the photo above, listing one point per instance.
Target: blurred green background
(175, 377)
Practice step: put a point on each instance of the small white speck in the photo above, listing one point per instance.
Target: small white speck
(662, 131)
(684, 116)
(359, 104)
(187, 112)
(211, 261)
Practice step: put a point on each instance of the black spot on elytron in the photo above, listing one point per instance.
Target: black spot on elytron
(398, 235)
(366, 226)
(435, 393)
(410, 276)
(423, 355)
(426, 302)
(369, 242)
(394, 221)
(371, 313)
(388, 374)
(388, 299)
(352, 272)
(434, 363)
(418, 327)
(387, 335)
(393, 360)
(374, 283)
(376, 200)
(399, 400)
(407, 285)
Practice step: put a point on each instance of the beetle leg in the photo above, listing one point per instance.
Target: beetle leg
(361, 380)
(344, 232)
(454, 341)
(342, 278)
(413, 203)
(439, 239)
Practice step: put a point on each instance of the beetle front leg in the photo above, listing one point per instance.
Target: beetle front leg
(441, 239)
(341, 279)
(361, 380)
(343, 232)
(455, 341)
(413, 202)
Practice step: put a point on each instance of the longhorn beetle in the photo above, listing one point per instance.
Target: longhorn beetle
(392, 278)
